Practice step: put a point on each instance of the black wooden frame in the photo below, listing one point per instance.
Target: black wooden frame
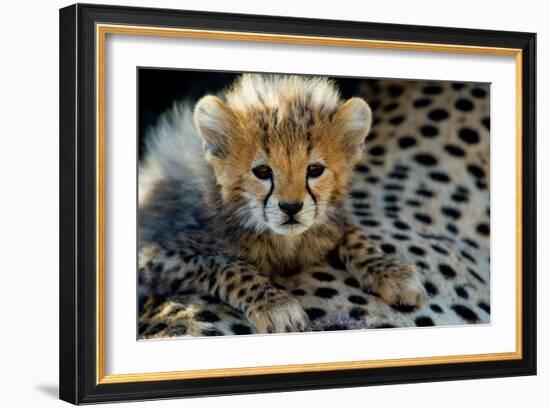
(77, 204)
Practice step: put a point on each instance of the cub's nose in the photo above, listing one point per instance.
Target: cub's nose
(291, 208)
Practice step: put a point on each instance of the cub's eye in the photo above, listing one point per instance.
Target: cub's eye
(262, 172)
(315, 170)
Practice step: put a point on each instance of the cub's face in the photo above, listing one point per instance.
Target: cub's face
(284, 168)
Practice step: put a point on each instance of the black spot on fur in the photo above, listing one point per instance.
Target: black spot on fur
(291, 272)
(398, 175)
(298, 292)
(396, 120)
(485, 307)
(425, 159)
(413, 203)
(403, 308)
(370, 223)
(424, 218)
(438, 115)
(447, 271)
(483, 229)
(325, 292)
(452, 228)
(395, 90)
(377, 150)
(464, 104)
(417, 251)
(429, 131)
(471, 243)
(476, 276)
(322, 276)
(207, 316)
(436, 308)
(357, 194)
(478, 92)
(393, 187)
(371, 137)
(334, 260)
(155, 329)
(401, 225)
(352, 282)
(356, 299)
(422, 102)
(315, 313)
(384, 325)
(457, 86)
(439, 177)
(357, 313)
(440, 249)
(468, 256)
(451, 212)
(239, 329)
(461, 292)
(422, 265)
(432, 89)
(454, 150)
(481, 185)
(424, 321)
(476, 171)
(391, 107)
(388, 248)
(424, 192)
(469, 135)
(212, 333)
(459, 198)
(486, 122)
(431, 289)
(142, 327)
(359, 205)
(465, 313)
(362, 168)
(406, 142)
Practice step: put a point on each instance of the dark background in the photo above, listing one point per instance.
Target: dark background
(158, 89)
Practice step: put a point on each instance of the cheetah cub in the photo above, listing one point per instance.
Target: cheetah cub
(250, 183)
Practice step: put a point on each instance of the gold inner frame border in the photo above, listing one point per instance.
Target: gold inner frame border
(102, 30)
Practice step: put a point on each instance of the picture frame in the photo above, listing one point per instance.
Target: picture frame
(83, 283)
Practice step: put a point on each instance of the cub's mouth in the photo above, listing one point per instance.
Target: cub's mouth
(291, 221)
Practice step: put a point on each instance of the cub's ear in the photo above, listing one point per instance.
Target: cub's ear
(213, 121)
(355, 120)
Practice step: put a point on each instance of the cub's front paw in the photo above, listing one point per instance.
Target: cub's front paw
(399, 283)
(280, 313)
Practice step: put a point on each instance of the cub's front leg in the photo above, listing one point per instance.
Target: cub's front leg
(394, 280)
(166, 269)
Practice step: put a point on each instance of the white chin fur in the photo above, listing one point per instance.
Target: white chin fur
(292, 230)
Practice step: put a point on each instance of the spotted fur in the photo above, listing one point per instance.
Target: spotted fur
(219, 221)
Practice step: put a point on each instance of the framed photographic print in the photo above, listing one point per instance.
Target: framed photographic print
(257, 203)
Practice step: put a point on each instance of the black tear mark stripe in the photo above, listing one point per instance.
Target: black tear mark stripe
(312, 196)
(268, 195)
